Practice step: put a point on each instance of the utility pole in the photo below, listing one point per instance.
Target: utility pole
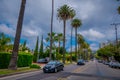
(116, 24)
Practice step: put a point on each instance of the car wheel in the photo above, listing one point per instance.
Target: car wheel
(62, 69)
(44, 71)
(55, 70)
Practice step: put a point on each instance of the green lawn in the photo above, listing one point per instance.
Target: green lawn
(6, 71)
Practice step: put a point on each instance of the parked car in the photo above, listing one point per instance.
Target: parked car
(81, 62)
(100, 61)
(114, 64)
(43, 60)
(106, 62)
(53, 66)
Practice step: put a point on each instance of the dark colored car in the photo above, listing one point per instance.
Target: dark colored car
(53, 66)
(42, 60)
(81, 62)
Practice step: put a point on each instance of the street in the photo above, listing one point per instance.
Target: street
(92, 70)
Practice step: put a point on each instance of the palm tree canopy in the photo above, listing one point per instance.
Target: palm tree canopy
(65, 12)
(76, 23)
(80, 39)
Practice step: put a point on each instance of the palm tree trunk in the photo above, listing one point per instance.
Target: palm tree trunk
(64, 23)
(71, 44)
(14, 57)
(51, 29)
(76, 44)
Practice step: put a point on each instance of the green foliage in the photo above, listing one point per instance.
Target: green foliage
(41, 49)
(24, 60)
(4, 41)
(65, 12)
(35, 66)
(35, 56)
(4, 59)
(106, 51)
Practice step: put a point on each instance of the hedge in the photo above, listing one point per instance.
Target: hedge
(24, 59)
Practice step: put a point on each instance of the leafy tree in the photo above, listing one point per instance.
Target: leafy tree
(4, 41)
(106, 52)
(14, 57)
(76, 23)
(41, 49)
(35, 56)
(64, 13)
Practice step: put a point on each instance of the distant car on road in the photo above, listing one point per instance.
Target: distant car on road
(43, 60)
(100, 61)
(81, 62)
(53, 66)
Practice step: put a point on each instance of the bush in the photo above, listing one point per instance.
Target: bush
(4, 60)
(24, 60)
(35, 66)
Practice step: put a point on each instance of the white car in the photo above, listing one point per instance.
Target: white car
(114, 64)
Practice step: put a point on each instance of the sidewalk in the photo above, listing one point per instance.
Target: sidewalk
(17, 73)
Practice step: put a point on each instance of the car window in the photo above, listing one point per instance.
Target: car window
(52, 62)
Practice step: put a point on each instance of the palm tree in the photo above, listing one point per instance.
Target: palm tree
(76, 23)
(59, 38)
(80, 41)
(51, 29)
(72, 15)
(64, 13)
(13, 61)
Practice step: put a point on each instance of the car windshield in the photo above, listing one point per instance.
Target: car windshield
(80, 60)
(52, 63)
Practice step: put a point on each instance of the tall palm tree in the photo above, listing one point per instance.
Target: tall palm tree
(76, 23)
(64, 13)
(51, 29)
(80, 41)
(13, 61)
(72, 15)
(59, 38)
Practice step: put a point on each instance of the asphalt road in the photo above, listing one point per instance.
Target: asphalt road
(90, 71)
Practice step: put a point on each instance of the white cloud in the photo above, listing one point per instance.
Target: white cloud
(94, 46)
(7, 30)
(92, 34)
(38, 15)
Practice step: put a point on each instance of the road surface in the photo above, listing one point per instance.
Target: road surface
(92, 70)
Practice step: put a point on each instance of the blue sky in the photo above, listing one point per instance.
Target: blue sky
(96, 16)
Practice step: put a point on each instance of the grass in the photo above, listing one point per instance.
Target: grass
(7, 72)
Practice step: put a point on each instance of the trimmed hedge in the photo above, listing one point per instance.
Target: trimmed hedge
(35, 66)
(24, 59)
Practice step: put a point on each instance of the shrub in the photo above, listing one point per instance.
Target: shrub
(35, 66)
(24, 60)
(4, 60)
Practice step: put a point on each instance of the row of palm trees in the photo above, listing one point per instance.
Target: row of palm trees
(64, 13)
(56, 37)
